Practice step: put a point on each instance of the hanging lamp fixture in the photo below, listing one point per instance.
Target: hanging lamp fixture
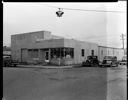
(59, 13)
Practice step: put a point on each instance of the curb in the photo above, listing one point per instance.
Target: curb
(44, 67)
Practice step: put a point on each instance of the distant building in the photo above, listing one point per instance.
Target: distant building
(6, 50)
(110, 51)
(42, 46)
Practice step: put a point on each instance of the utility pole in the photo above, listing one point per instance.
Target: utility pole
(122, 38)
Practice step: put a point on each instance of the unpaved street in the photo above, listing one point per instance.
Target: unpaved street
(116, 83)
(64, 84)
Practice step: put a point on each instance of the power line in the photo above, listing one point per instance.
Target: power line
(84, 9)
(94, 10)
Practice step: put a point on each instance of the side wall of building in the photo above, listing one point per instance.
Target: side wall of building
(78, 46)
(109, 51)
(101, 53)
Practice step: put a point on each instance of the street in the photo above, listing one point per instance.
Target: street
(87, 83)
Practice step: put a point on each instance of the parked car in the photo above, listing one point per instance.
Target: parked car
(123, 61)
(8, 62)
(91, 61)
(109, 61)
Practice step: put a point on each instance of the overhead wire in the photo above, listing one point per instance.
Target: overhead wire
(84, 9)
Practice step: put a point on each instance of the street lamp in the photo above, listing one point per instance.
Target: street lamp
(59, 13)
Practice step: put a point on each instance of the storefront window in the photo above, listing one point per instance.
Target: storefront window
(62, 52)
(69, 52)
(33, 53)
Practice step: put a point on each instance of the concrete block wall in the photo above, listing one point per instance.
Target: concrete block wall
(62, 61)
(102, 52)
(29, 41)
(109, 51)
(78, 46)
(119, 53)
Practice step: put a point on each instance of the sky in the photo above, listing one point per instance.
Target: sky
(103, 28)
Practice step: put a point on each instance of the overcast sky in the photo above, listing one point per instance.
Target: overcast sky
(103, 28)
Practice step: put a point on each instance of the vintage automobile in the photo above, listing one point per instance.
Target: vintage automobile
(109, 61)
(92, 61)
(123, 61)
(8, 62)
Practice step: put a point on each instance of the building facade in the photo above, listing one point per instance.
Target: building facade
(110, 51)
(42, 46)
(6, 51)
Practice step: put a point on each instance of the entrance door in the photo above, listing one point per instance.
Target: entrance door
(23, 55)
(46, 55)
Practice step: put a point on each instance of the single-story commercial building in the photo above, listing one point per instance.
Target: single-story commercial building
(110, 51)
(42, 46)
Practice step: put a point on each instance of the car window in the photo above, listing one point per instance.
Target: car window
(110, 58)
(124, 58)
(108, 62)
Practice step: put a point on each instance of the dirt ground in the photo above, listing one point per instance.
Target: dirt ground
(64, 84)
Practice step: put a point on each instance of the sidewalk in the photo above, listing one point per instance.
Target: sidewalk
(41, 66)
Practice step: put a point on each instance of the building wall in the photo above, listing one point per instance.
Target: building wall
(21, 43)
(109, 51)
(39, 40)
(119, 53)
(33, 40)
(78, 46)
(24, 55)
(101, 53)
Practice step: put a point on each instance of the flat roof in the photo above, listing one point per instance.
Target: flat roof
(110, 47)
(82, 41)
(30, 32)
